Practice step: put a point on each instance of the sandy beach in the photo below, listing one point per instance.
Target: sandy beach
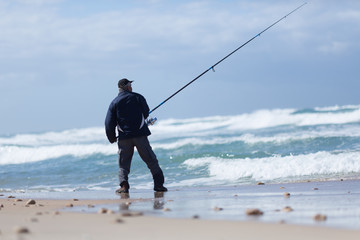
(164, 216)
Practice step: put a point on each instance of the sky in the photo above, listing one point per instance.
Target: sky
(60, 60)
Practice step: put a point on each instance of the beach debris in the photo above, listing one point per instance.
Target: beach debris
(34, 220)
(216, 209)
(31, 202)
(166, 209)
(21, 230)
(11, 196)
(260, 183)
(69, 205)
(102, 210)
(315, 188)
(131, 214)
(287, 209)
(286, 195)
(75, 199)
(119, 220)
(254, 212)
(320, 217)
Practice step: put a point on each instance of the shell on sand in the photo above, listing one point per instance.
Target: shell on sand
(20, 230)
(31, 202)
(254, 212)
(320, 217)
(287, 209)
(286, 194)
(218, 209)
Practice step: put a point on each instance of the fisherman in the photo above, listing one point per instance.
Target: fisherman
(127, 112)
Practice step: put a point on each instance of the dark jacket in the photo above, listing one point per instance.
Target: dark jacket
(127, 112)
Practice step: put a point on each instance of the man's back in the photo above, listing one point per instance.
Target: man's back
(128, 112)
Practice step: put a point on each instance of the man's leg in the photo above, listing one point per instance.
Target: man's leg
(126, 151)
(148, 156)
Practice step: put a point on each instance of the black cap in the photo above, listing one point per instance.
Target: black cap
(123, 82)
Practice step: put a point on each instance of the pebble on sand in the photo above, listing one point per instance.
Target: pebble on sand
(254, 212)
(119, 220)
(320, 217)
(131, 214)
(286, 194)
(31, 202)
(34, 220)
(287, 209)
(21, 230)
(102, 210)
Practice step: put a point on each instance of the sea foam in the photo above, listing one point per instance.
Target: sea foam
(278, 167)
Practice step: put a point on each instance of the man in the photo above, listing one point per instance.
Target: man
(128, 112)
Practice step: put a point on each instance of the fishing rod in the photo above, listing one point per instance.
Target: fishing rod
(151, 121)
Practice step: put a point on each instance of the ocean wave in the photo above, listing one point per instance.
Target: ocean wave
(71, 136)
(250, 138)
(260, 119)
(20, 154)
(205, 126)
(277, 167)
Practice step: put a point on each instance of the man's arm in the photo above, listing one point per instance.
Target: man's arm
(144, 106)
(110, 124)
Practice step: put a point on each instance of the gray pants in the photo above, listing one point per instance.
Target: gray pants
(126, 151)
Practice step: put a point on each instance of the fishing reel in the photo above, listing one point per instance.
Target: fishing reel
(151, 121)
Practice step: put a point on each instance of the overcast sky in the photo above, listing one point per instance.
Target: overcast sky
(60, 60)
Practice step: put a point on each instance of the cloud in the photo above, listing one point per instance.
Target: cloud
(333, 47)
(39, 28)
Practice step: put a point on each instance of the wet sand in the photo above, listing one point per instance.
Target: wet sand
(288, 212)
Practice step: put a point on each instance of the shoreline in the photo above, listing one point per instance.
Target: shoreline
(211, 213)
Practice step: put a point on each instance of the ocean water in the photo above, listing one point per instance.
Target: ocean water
(270, 145)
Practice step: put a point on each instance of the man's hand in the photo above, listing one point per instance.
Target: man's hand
(112, 140)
